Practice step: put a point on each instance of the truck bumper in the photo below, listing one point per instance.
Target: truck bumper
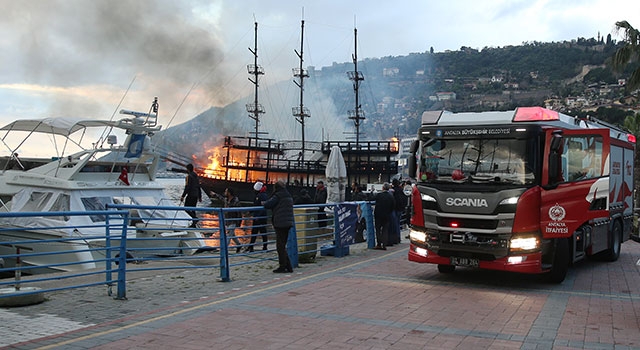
(524, 263)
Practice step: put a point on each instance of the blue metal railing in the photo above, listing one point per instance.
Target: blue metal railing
(81, 260)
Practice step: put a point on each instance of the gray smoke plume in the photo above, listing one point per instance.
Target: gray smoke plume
(71, 43)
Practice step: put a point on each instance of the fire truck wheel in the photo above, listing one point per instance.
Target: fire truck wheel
(561, 259)
(446, 268)
(613, 253)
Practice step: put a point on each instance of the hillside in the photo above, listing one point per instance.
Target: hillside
(571, 76)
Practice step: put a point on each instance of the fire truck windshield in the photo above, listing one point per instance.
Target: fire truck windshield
(499, 160)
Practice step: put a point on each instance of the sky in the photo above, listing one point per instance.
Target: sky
(90, 58)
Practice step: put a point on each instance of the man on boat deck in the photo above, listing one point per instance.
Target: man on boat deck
(192, 193)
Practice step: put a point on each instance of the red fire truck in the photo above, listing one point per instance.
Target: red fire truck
(529, 191)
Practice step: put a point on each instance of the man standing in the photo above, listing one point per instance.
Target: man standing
(281, 205)
(259, 217)
(232, 219)
(192, 193)
(400, 206)
(384, 206)
(321, 198)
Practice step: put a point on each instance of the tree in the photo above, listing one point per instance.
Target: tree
(628, 53)
(632, 123)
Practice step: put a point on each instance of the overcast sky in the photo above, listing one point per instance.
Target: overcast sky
(79, 57)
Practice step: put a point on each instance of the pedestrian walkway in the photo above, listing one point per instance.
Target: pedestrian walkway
(369, 299)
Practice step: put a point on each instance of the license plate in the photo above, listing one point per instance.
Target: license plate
(468, 262)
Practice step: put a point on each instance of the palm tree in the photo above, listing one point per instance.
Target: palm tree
(632, 123)
(628, 53)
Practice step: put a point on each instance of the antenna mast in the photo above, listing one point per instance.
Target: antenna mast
(300, 112)
(255, 109)
(356, 76)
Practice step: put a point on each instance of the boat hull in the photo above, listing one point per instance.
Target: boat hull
(44, 253)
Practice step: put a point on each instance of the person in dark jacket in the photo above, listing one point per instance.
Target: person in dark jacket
(281, 205)
(192, 193)
(259, 217)
(400, 206)
(321, 198)
(356, 193)
(303, 198)
(233, 219)
(384, 206)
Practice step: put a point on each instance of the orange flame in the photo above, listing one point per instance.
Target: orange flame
(217, 161)
(395, 144)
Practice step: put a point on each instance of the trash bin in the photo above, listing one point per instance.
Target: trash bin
(307, 232)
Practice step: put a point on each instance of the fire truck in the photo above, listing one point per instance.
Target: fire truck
(530, 190)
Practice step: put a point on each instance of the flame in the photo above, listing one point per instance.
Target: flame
(215, 168)
(395, 144)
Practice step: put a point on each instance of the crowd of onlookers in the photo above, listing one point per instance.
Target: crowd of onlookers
(390, 211)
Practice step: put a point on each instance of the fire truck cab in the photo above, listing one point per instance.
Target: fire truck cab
(529, 190)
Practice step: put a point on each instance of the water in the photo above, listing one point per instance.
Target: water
(173, 187)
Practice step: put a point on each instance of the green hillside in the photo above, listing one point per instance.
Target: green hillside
(571, 76)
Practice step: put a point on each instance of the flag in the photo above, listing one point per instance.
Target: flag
(124, 175)
(136, 143)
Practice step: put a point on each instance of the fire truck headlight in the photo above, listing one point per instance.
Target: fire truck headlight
(421, 251)
(511, 200)
(519, 244)
(427, 198)
(417, 236)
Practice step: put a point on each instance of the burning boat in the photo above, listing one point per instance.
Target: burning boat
(300, 163)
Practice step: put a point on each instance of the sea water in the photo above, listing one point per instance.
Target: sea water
(174, 187)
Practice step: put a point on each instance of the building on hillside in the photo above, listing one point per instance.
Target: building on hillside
(443, 96)
(390, 72)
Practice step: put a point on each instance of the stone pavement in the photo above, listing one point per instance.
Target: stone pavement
(369, 299)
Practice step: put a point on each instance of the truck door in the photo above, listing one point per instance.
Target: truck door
(581, 192)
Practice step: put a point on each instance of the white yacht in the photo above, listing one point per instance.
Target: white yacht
(79, 179)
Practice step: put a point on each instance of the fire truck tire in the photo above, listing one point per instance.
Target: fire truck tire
(561, 261)
(446, 268)
(613, 253)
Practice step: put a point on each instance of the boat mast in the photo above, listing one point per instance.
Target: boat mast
(356, 76)
(254, 69)
(300, 112)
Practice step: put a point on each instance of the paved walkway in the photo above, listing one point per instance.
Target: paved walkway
(368, 300)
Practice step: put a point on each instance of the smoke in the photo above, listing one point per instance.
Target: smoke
(103, 44)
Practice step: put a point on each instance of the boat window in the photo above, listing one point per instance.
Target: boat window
(37, 201)
(62, 203)
(96, 203)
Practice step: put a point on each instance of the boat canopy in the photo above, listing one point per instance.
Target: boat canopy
(57, 126)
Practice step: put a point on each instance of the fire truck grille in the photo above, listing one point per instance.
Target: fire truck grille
(468, 223)
(472, 245)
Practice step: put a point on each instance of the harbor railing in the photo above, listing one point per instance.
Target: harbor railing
(123, 242)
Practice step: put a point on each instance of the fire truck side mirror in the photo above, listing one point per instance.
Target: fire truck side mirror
(554, 158)
(413, 163)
